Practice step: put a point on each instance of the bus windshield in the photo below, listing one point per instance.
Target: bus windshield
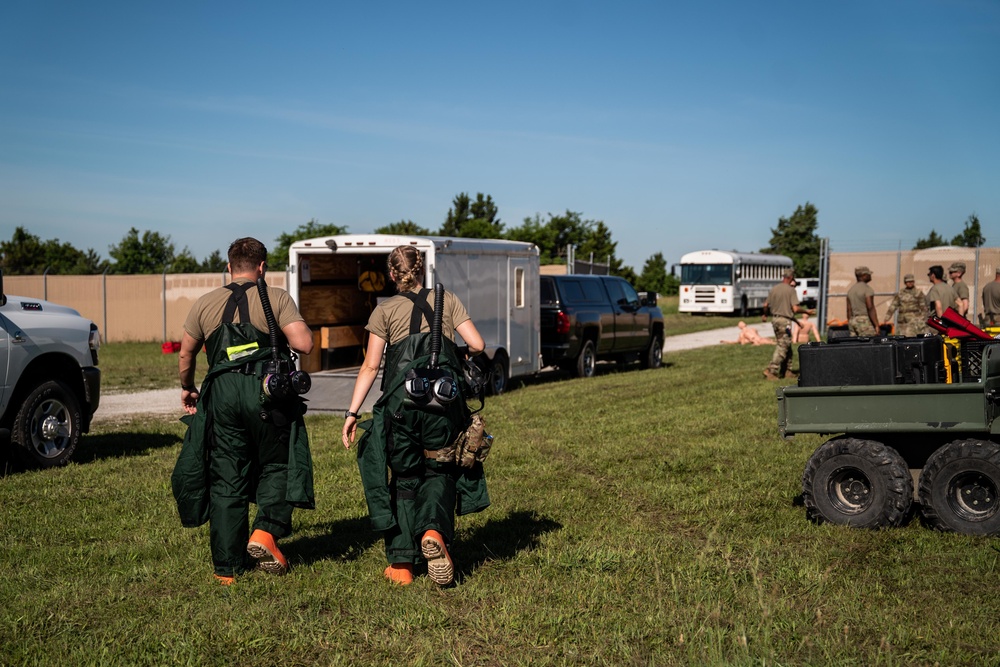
(707, 274)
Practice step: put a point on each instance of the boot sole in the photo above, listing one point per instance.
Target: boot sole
(439, 566)
(265, 559)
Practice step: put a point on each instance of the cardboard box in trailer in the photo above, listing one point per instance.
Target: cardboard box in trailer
(338, 280)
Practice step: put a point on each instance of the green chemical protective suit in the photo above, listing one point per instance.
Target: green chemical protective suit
(420, 494)
(241, 447)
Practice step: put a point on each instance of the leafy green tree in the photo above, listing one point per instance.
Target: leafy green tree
(27, 254)
(933, 240)
(554, 236)
(149, 253)
(972, 235)
(214, 263)
(404, 228)
(185, 262)
(473, 219)
(278, 257)
(795, 237)
(542, 234)
(654, 277)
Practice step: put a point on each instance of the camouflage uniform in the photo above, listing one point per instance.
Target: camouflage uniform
(781, 302)
(860, 324)
(912, 308)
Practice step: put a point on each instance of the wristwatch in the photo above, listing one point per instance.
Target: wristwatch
(348, 413)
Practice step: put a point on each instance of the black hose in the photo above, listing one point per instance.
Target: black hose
(272, 324)
(436, 324)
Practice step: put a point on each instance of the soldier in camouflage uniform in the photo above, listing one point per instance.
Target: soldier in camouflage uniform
(961, 288)
(782, 304)
(861, 316)
(911, 305)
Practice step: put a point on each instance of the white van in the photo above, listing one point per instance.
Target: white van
(338, 280)
(807, 290)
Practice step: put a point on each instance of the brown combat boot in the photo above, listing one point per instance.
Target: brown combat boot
(768, 375)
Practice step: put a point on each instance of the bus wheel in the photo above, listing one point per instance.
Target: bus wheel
(959, 488)
(744, 310)
(860, 483)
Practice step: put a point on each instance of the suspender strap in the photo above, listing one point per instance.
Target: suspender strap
(420, 309)
(238, 299)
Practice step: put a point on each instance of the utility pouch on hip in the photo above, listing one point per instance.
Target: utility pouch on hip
(474, 443)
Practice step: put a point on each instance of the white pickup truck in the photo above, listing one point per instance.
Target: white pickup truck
(50, 385)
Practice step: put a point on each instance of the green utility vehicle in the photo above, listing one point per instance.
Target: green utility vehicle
(945, 436)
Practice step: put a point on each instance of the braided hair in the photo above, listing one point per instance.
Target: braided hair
(406, 266)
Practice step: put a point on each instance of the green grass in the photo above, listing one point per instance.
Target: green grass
(638, 518)
(132, 367)
(675, 323)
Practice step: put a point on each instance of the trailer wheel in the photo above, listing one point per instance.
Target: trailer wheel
(586, 361)
(860, 483)
(498, 374)
(654, 353)
(959, 488)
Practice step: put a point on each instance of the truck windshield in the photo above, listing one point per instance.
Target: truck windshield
(707, 274)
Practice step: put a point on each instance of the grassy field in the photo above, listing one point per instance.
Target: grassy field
(638, 518)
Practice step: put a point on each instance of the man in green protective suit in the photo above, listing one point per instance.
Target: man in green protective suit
(246, 439)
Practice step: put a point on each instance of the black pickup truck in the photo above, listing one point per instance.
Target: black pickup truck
(586, 318)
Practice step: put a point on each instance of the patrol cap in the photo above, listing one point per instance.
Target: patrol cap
(862, 270)
(957, 266)
(788, 273)
(908, 278)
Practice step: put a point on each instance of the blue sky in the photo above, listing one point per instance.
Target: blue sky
(682, 126)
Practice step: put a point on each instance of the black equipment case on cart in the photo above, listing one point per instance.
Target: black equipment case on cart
(845, 362)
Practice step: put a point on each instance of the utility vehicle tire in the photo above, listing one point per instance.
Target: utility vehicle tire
(860, 483)
(498, 374)
(586, 361)
(47, 427)
(654, 353)
(959, 488)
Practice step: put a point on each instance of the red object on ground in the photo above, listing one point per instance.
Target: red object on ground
(171, 346)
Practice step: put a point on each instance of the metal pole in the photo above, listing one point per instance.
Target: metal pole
(45, 283)
(824, 277)
(165, 302)
(104, 301)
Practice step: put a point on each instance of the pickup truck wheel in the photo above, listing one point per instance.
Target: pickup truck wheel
(654, 353)
(860, 483)
(586, 361)
(959, 487)
(47, 427)
(498, 374)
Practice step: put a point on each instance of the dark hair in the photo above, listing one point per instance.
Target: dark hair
(938, 271)
(246, 254)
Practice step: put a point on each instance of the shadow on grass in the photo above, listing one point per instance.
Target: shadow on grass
(116, 445)
(555, 374)
(501, 539)
(337, 540)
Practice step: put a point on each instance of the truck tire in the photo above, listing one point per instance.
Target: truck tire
(654, 353)
(959, 487)
(860, 483)
(586, 361)
(498, 374)
(47, 426)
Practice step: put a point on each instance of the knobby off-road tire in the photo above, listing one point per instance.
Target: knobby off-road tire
(586, 361)
(859, 483)
(498, 374)
(654, 353)
(47, 427)
(959, 487)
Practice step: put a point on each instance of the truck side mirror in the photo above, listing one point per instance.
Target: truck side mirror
(649, 299)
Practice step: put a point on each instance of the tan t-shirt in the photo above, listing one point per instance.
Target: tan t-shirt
(857, 297)
(205, 315)
(390, 320)
(781, 300)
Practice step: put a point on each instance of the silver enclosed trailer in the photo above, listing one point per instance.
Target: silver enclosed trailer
(338, 280)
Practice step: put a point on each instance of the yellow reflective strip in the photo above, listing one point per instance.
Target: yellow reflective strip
(240, 351)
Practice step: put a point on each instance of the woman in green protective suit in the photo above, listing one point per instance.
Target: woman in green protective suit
(415, 508)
